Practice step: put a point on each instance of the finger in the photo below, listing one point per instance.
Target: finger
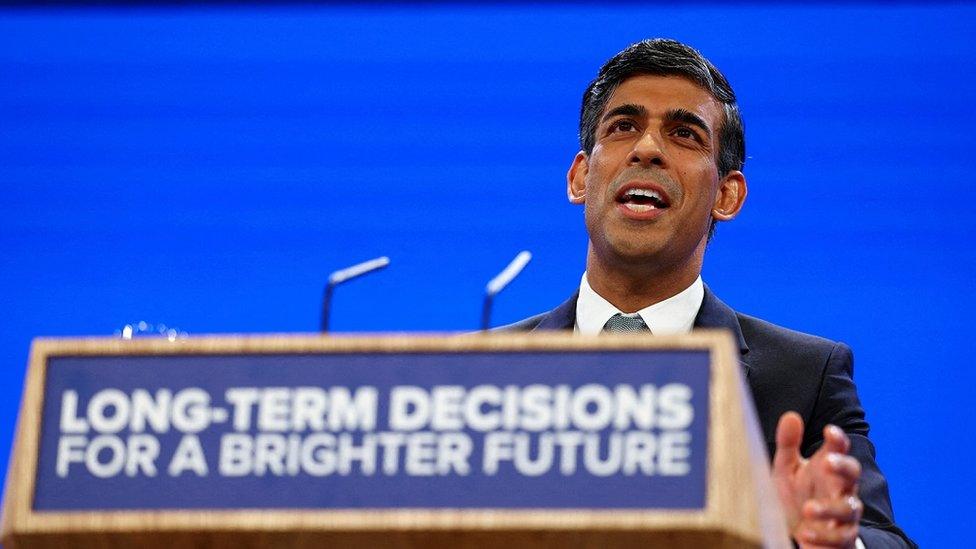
(846, 468)
(826, 534)
(835, 439)
(789, 435)
(835, 474)
(845, 510)
(835, 471)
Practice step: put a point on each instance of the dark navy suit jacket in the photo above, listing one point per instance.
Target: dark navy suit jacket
(789, 370)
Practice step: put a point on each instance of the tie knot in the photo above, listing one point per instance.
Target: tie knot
(621, 323)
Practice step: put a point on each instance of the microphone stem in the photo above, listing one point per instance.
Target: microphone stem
(486, 313)
(326, 307)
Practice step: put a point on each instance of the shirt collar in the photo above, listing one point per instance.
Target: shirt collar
(674, 315)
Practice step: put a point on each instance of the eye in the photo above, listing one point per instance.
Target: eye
(685, 132)
(622, 125)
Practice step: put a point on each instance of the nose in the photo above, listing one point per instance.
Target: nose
(647, 152)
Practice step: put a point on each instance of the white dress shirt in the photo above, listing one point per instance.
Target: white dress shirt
(674, 315)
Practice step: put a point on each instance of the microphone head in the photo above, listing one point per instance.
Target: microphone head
(342, 275)
(498, 283)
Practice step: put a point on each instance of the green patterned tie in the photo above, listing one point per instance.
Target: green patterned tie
(621, 323)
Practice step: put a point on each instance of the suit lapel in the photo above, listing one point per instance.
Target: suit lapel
(716, 314)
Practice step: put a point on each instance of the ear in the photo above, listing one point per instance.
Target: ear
(730, 196)
(576, 178)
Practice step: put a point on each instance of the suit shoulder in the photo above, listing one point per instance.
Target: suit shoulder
(524, 325)
(562, 317)
(761, 334)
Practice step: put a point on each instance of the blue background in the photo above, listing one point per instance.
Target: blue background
(81, 490)
(208, 166)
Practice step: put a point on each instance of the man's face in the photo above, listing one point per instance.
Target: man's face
(651, 185)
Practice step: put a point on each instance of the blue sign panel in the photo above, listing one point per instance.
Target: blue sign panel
(341, 431)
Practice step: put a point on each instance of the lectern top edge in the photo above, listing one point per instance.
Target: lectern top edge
(712, 339)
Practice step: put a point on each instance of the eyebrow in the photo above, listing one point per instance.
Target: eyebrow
(672, 115)
(627, 109)
(687, 117)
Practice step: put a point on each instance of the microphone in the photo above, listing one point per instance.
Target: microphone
(343, 275)
(498, 284)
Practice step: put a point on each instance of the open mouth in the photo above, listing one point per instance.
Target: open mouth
(642, 199)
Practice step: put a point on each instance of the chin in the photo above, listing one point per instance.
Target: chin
(642, 251)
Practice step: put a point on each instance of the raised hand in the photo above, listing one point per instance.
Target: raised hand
(819, 495)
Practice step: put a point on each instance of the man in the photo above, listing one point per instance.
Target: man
(662, 149)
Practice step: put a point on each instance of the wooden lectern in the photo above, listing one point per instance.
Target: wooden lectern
(480, 440)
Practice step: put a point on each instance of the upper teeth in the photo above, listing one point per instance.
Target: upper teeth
(644, 192)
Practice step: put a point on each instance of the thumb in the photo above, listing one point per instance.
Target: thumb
(789, 435)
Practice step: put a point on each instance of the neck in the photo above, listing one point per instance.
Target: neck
(632, 287)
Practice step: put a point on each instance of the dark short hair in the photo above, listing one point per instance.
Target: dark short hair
(664, 57)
